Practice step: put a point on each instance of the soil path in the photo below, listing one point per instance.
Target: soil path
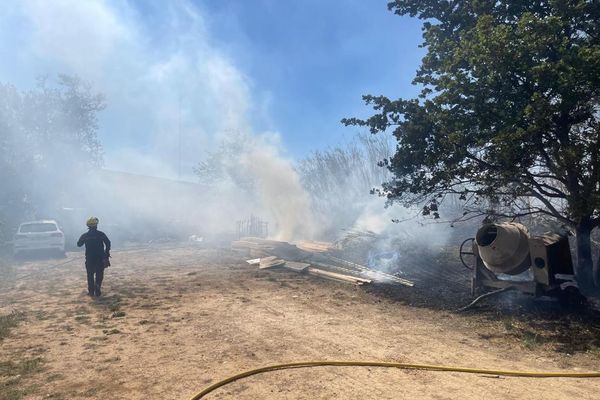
(172, 321)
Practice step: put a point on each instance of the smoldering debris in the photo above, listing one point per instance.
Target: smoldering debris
(311, 258)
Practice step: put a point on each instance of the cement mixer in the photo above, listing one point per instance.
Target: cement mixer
(506, 256)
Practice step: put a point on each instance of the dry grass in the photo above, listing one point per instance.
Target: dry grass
(9, 321)
(12, 375)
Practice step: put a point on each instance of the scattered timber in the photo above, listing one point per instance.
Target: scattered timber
(270, 262)
(315, 247)
(297, 266)
(376, 275)
(310, 257)
(258, 247)
(338, 277)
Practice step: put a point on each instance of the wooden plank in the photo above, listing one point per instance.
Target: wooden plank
(375, 275)
(383, 277)
(314, 247)
(259, 253)
(250, 245)
(296, 266)
(336, 276)
(270, 262)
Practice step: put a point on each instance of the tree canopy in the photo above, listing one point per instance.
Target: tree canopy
(509, 109)
(48, 137)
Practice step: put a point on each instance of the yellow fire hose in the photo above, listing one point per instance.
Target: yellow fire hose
(426, 367)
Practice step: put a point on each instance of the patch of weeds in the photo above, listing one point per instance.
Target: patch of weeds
(13, 388)
(508, 324)
(38, 350)
(118, 314)
(82, 310)
(564, 363)
(594, 351)
(41, 315)
(114, 307)
(10, 392)
(9, 321)
(8, 272)
(531, 340)
(91, 392)
(55, 377)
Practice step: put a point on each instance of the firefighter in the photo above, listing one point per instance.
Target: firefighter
(97, 253)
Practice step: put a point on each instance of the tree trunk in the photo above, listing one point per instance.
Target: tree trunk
(597, 273)
(584, 254)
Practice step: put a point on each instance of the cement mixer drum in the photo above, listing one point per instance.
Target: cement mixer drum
(504, 248)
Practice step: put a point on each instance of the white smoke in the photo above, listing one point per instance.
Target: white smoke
(279, 190)
(412, 229)
(172, 95)
(171, 92)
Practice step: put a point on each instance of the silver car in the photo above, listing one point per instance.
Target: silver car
(38, 235)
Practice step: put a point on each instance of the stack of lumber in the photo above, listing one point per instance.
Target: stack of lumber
(258, 247)
(252, 248)
(315, 247)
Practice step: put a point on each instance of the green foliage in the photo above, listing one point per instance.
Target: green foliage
(508, 110)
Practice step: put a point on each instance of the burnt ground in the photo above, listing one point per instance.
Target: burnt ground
(443, 283)
(174, 319)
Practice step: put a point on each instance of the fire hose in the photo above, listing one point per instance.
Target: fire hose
(424, 367)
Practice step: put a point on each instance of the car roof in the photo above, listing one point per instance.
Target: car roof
(41, 221)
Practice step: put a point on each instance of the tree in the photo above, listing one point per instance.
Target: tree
(48, 138)
(224, 165)
(508, 112)
(338, 179)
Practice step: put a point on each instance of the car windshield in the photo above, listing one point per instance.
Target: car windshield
(39, 227)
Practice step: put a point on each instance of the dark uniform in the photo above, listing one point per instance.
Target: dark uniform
(97, 250)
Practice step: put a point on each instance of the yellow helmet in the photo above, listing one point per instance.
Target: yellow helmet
(92, 222)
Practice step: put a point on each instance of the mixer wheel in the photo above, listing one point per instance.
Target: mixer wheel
(462, 252)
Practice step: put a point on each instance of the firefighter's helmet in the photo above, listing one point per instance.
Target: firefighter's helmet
(92, 222)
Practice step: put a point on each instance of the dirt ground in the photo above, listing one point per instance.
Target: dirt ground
(174, 320)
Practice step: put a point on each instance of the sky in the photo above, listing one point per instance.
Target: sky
(180, 76)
